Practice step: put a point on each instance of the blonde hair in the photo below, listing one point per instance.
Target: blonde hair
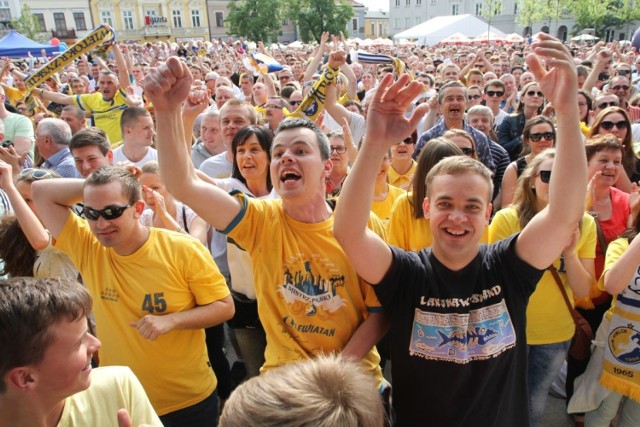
(460, 165)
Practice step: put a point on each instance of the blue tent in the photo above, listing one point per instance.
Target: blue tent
(15, 45)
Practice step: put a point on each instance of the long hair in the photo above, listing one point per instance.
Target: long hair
(434, 151)
(520, 108)
(16, 251)
(526, 131)
(628, 156)
(525, 198)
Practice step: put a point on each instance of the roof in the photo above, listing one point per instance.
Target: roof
(439, 28)
(15, 45)
(376, 14)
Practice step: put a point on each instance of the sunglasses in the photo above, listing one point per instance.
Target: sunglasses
(35, 173)
(109, 213)
(285, 77)
(475, 96)
(467, 151)
(545, 176)
(494, 93)
(624, 87)
(548, 136)
(624, 72)
(340, 149)
(607, 125)
(604, 105)
(407, 141)
(295, 102)
(535, 92)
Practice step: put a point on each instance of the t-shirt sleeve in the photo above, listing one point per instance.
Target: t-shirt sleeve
(77, 241)
(503, 225)
(614, 252)
(24, 128)
(406, 269)
(203, 276)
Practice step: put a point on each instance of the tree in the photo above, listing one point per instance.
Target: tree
(27, 24)
(602, 15)
(258, 20)
(317, 16)
(490, 8)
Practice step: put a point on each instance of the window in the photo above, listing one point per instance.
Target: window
(150, 12)
(478, 9)
(5, 11)
(397, 23)
(354, 24)
(106, 17)
(418, 20)
(397, 3)
(515, 8)
(433, 1)
(418, 2)
(177, 18)
(127, 19)
(81, 24)
(195, 18)
(407, 22)
(219, 19)
(59, 21)
(455, 9)
(40, 18)
(380, 31)
(373, 29)
(285, 22)
(408, 3)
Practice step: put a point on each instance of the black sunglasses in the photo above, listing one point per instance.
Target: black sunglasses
(545, 176)
(467, 151)
(109, 213)
(535, 137)
(494, 93)
(535, 92)
(475, 96)
(604, 105)
(623, 87)
(295, 102)
(607, 125)
(624, 72)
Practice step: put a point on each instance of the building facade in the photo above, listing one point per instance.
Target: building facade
(66, 20)
(404, 14)
(150, 20)
(376, 24)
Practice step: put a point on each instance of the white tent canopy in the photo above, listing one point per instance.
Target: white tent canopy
(437, 29)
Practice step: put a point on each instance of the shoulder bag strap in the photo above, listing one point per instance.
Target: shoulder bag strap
(556, 276)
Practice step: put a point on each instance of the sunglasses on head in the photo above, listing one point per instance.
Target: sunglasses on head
(494, 93)
(604, 105)
(35, 173)
(535, 92)
(467, 151)
(109, 213)
(607, 125)
(545, 176)
(548, 136)
(622, 87)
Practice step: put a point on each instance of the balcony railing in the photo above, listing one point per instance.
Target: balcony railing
(158, 30)
(64, 34)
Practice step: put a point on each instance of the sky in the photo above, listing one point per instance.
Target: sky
(375, 4)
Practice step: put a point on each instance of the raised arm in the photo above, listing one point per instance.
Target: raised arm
(317, 58)
(369, 254)
(53, 198)
(167, 86)
(58, 98)
(552, 228)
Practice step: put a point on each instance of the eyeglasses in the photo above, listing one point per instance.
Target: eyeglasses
(273, 107)
(479, 65)
(340, 149)
(407, 141)
(495, 93)
(475, 96)
(467, 151)
(284, 77)
(624, 72)
(535, 92)
(536, 137)
(35, 174)
(292, 103)
(109, 213)
(604, 105)
(545, 176)
(623, 87)
(607, 125)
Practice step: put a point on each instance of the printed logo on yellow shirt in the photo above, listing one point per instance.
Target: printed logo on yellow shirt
(310, 292)
(110, 294)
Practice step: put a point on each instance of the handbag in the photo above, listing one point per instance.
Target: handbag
(580, 348)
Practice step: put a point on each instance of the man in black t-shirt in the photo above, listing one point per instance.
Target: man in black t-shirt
(458, 308)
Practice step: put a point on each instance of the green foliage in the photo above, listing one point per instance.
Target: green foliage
(257, 20)
(602, 15)
(535, 11)
(317, 16)
(27, 24)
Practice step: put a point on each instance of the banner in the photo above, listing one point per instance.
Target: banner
(93, 40)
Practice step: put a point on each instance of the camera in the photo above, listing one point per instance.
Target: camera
(6, 144)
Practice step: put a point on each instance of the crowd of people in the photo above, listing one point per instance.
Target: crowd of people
(450, 209)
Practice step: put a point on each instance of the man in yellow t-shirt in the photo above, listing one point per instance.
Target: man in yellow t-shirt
(155, 290)
(46, 370)
(310, 299)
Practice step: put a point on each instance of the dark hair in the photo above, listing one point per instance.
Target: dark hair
(131, 115)
(91, 136)
(131, 188)
(589, 100)
(321, 138)
(434, 151)
(598, 143)
(495, 82)
(264, 138)
(28, 309)
(15, 250)
(526, 132)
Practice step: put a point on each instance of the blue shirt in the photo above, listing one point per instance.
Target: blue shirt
(62, 162)
(482, 142)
